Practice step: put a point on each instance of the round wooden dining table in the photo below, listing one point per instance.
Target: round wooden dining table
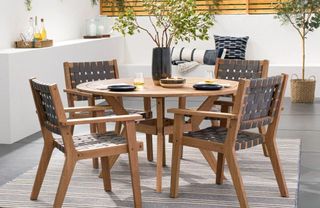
(160, 125)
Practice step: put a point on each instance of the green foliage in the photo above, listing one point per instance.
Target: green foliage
(28, 4)
(171, 20)
(303, 15)
(94, 2)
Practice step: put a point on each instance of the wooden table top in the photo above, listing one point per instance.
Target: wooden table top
(150, 90)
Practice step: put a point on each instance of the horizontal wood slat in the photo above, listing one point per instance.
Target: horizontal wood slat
(111, 8)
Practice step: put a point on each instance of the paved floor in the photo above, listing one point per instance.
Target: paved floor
(298, 121)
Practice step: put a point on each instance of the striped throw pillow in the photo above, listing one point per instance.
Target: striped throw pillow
(208, 57)
(236, 46)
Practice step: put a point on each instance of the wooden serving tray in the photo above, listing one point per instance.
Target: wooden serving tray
(96, 36)
(34, 44)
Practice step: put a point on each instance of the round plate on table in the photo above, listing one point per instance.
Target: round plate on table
(207, 86)
(121, 88)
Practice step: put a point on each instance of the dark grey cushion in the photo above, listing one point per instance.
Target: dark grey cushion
(236, 46)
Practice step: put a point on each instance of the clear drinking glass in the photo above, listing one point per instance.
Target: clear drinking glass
(209, 77)
(138, 80)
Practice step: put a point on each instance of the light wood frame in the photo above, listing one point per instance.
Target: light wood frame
(226, 150)
(72, 155)
(72, 94)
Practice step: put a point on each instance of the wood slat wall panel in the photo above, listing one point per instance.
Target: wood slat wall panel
(225, 7)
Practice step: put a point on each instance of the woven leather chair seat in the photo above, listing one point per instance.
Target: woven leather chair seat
(93, 141)
(244, 140)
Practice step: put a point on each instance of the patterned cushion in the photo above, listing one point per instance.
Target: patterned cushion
(236, 46)
(180, 55)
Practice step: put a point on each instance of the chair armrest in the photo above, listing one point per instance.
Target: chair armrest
(202, 113)
(104, 119)
(87, 109)
(77, 92)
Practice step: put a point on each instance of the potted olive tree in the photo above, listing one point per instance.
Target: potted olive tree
(304, 16)
(171, 21)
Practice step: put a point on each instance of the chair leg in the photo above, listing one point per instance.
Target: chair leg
(133, 162)
(68, 168)
(164, 161)
(117, 128)
(149, 147)
(262, 130)
(94, 129)
(95, 163)
(225, 109)
(236, 178)
(42, 169)
(175, 169)
(105, 172)
(277, 169)
(208, 155)
(220, 168)
(171, 140)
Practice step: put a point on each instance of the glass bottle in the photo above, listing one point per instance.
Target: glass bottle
(37, 34)
(92, 28)
(30, 31)
(43, 30)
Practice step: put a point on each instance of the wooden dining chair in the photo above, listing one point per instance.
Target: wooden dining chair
(236, 69)
(104, 145)
(257, 103)
(80, 72)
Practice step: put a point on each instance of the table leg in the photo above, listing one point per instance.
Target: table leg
(205, 106)
(147, 108)
(119, 110)
(182, 105)
(160, 142)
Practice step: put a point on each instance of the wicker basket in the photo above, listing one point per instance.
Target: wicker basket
(302, 91)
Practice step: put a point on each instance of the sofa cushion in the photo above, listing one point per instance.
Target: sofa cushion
(236, 46)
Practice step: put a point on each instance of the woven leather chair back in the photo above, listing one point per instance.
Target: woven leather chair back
(80, 72)
(262, 100)
(235, 69)
(46, 108)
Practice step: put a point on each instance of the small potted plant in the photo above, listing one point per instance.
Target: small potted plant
(304, 16)
(171, 21)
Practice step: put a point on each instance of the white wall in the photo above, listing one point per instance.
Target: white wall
(64, 19)
(17, 117)
(268, 39)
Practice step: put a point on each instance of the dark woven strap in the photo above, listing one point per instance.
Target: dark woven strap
(91, 71)
(51, 119)
(244, 139)
(93, 141)
(260, 102)
(235, 69)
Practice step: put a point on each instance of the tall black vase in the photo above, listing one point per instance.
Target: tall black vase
(161, 64)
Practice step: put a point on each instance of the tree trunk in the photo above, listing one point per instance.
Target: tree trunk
(303, 56)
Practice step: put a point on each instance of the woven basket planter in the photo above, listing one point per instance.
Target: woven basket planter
(302, 91)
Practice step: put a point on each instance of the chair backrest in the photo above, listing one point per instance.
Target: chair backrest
(48, 104)
(235, 69)
(261, 100)
(80, 72)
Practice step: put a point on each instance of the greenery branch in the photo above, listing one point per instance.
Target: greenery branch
(303, 15)
(171, 21)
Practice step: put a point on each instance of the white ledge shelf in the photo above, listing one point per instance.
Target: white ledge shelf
(60, 44)
(17, 116)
